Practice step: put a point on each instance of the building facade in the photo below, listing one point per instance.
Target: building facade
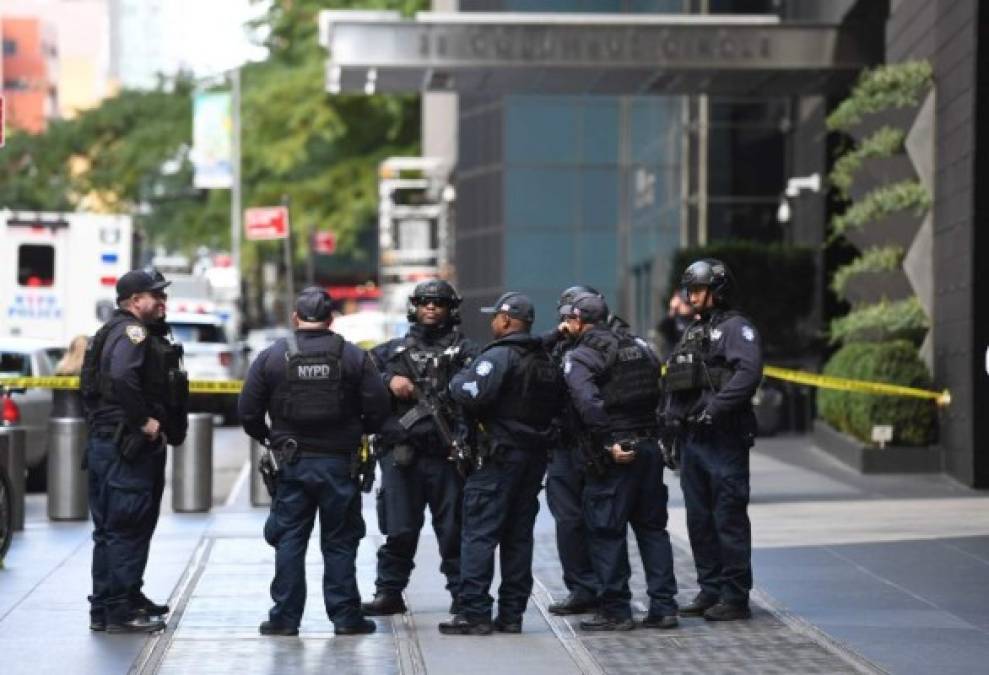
(30, 72)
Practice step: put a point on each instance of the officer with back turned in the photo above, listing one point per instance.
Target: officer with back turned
(711, 378)
(514, 391)
(415, 458)
(135, 395)
(322, 393)
(613, 377)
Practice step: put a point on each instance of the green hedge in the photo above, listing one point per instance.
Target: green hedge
(775, 286)
(886, 142)
(881, 202)
(899, 85)
(875, 259)
(914, 420)
(903, 319)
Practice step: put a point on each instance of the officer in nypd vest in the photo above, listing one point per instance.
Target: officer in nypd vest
(322, 394)
(415, 468)
(710, 380)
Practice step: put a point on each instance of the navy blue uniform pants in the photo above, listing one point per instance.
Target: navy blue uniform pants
(404, 494)
(125, 502)
(316, 485)
(631, 494)
(565, 497)
(714, 475)
(501, 502)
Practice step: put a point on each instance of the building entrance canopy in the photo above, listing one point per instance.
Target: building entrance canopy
(612, 54)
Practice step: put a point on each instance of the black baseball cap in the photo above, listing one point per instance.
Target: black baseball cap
(144, 280)
(314, 304)
(515, 305)
(587, 307)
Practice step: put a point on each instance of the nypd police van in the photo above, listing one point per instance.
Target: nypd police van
(58, 272)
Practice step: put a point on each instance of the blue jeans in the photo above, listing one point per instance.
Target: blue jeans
(316, 485)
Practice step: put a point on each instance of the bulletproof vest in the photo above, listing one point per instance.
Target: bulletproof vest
(429, 364)
(92, 384)
(692, 367)
(534, 394)
(164, 370)
(631, 381)
(313, 388)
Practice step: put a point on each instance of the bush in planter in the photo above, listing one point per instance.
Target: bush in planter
(903, 319)
(876, 259)
(884, 143)
(900, 85)
(914, 420)
(775, 285)
(881, 202)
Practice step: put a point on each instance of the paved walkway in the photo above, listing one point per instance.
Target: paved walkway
(854, 574)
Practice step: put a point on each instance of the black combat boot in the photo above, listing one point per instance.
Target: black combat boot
(137, 624)
(606, 622)
(728, 611)
(461, 625)
(142, 604)
(507, 625)
(455, 606)
(700, 604)
(384, 604)
(573, 604)
(278, 629)
(660, 621)
(362, 627)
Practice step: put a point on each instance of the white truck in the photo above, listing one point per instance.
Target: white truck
(58, 272)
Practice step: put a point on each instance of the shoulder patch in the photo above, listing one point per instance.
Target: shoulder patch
(567, 366)
(748, 333)
(471, 388)
(484, 368)
(136, 334)
(715, 333)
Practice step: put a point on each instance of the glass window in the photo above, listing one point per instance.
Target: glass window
(541, 130)
(541, 198)
(15, 364)
(9, 47)
(36, 265)
(198, 332)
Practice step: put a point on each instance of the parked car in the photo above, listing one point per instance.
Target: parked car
(29, 357)
(209, 355)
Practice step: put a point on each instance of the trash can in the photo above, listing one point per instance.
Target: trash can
(13, 442)
(68, 492)
(192, 467)
(259, 493)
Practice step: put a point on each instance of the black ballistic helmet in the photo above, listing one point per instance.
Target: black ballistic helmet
(712, 273)
(435, 289)
(569, 295)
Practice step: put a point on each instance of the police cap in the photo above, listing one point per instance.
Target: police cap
(144, 280)
(588, 307)
(314, 305)
(515, 305)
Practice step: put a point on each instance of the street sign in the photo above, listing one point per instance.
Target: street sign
(266, 222)
(324, 243)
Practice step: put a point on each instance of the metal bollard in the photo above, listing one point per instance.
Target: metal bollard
(259, 493)
(192, 467)
(68, 492)
(13, 444)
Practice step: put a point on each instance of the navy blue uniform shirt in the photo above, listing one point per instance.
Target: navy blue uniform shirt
(361, 380)
(123, 361)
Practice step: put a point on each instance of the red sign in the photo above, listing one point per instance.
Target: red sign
(324, 242)
(266, 222)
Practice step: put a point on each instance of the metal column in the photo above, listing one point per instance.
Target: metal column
(68, 491)
(192, 467)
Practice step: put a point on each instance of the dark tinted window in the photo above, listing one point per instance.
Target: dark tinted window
(36, 265)
(14, 364)
(198, 332)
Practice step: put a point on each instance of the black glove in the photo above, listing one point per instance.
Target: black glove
(701, 419)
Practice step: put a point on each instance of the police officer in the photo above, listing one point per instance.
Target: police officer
(321, 393)
(514, 391)
(711, 377)
(565, 489)
(134, 392)
(613, 381)
(416, 471)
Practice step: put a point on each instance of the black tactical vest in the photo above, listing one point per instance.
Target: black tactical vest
(429, 364)
(691, 366)
(630, 384)
(534, 393)
(92, 383)
(313, 388)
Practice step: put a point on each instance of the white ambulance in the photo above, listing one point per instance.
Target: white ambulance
(58, 272)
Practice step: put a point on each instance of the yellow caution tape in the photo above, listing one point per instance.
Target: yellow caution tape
(942, 398)
(195, 386)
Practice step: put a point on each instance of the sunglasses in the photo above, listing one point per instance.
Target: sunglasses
(436, 302)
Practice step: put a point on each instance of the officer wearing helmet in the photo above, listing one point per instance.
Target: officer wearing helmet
(322, 394)
(416, 470)
(134, 392)
(711, 377)
(613, 379)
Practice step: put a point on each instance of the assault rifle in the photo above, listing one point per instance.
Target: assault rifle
(435, 404)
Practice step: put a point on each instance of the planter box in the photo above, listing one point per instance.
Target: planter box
(899, 227)
(870, 460)
(898, 118)
(876, 171)
(870, 287)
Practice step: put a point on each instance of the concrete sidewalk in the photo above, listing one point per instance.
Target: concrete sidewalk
(854, 574)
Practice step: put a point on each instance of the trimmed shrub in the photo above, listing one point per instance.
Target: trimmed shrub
(881, 202)
(914, 420)
(903, 319)
(899, 85)
(775, 286)
(884, 143)
(876, 259)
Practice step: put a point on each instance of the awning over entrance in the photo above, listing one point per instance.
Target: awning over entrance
(617, 54)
